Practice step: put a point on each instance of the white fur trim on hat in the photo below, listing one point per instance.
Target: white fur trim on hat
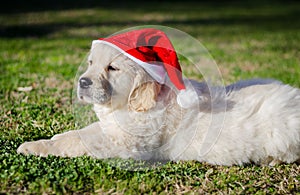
(156, 71)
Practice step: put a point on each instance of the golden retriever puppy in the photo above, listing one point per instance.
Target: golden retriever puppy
(256, 121)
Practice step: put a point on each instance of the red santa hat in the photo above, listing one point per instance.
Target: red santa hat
(152, 50)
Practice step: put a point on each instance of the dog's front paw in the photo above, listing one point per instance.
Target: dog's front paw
(65, 145)
(37, 148)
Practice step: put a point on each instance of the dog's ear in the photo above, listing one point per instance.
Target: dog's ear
(144, 96)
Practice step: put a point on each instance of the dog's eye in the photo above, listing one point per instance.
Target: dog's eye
(111, 68)
(90, 62)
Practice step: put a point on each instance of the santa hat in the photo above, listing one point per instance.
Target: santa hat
(152, 50)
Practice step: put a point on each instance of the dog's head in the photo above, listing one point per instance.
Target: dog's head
(114, 80)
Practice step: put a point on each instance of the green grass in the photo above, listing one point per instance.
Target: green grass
(43, 45)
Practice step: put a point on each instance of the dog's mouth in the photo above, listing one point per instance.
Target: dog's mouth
(93, 96)
(84, 95)
(94, 91)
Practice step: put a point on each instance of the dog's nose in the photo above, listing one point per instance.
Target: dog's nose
(85, 82)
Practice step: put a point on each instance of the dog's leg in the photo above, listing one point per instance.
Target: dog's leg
(270, 161)
(69, 144)
(275, 162)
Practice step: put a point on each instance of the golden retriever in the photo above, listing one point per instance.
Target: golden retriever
(140, 119)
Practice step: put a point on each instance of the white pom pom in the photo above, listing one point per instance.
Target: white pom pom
(187, 98)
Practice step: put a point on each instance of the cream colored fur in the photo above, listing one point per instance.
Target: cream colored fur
(256, 121)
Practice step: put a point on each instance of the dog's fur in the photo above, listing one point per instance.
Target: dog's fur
(251, 121)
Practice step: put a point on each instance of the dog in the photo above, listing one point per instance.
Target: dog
(254, 121)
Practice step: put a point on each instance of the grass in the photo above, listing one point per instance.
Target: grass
(43, 45)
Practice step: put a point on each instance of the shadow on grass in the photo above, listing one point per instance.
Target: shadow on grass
(286, 20)
(21, 6)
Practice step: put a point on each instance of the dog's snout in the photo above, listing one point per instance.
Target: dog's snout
(85, 82)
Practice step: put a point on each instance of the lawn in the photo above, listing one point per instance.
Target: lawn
(43, 44)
